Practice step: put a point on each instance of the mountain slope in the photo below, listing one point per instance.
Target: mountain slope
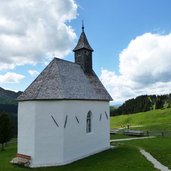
(8, 96)
(8, 102)
(144, 103)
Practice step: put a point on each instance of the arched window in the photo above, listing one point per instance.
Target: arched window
(88, 122)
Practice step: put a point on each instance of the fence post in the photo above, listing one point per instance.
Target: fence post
(128, 126)
(147, 133)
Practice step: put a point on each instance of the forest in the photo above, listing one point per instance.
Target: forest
(142, 103)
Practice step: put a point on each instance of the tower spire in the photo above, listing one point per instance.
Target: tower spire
(83, 53)
(83, 42)
(82, 25)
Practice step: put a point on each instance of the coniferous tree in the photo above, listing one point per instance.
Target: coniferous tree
(144, 103)
(6, 130)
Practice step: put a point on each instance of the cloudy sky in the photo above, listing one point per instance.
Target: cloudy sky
(131, 42)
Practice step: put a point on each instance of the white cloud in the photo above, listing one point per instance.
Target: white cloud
(145, 68)
(31, 31)
(11, 77)
(33, 73)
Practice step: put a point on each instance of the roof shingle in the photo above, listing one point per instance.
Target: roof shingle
(65, 80)
(83, 43)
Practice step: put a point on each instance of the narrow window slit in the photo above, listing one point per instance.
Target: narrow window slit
(54, 121)
(66, 121)
(77, 119)
(106, 115)
(100, 117)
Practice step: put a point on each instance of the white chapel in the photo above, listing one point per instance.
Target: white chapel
(63, 115)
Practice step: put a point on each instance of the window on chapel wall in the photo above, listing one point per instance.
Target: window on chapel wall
(89, 122)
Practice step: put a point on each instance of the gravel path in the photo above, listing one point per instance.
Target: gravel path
(147, 155)
(128, 139)
(151, 159)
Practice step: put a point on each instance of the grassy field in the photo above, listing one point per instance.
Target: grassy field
(125, 156)
(122, 158)
(159, 147)
(120, 136)
(151, 120)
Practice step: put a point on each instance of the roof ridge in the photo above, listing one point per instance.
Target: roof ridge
(66, 61)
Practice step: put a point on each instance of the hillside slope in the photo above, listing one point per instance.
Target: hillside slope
(144, 103)
(153, 117)
(8, 96)
(8, 102)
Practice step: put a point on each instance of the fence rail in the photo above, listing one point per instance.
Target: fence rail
(158, 133)
(143, 133)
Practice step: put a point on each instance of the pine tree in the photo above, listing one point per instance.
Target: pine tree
(5, 128)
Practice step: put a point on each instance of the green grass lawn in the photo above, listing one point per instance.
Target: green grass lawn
(122, 158)
(159, 147)
(120, 136)
(155, 127)
(155, 119)
(125, 157)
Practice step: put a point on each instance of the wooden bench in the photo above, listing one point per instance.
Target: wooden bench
(113, 131)
(21, 159)
(134, 132)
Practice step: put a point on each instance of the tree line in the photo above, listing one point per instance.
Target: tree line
(6, 129)
(143, 103)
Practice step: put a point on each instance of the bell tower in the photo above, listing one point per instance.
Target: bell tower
(83, 53)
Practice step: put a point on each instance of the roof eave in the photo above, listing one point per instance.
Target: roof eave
(20, 100)
(77, 48)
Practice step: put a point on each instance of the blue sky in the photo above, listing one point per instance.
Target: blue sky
(130, 40)
(110, 25)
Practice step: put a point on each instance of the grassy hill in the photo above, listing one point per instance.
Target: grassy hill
(154, 119)
(155, 122)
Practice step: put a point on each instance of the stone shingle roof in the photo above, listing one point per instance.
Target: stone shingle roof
(65, 80)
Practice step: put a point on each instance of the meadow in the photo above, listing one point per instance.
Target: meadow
(159, 147)
(157, 120)
(125, 155)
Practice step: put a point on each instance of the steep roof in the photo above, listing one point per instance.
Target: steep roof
(65, 80)
(83, 42)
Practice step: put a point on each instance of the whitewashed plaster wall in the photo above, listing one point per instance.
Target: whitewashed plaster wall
(77, 142)
(51, 144)
(49, 137)
(26, 128)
